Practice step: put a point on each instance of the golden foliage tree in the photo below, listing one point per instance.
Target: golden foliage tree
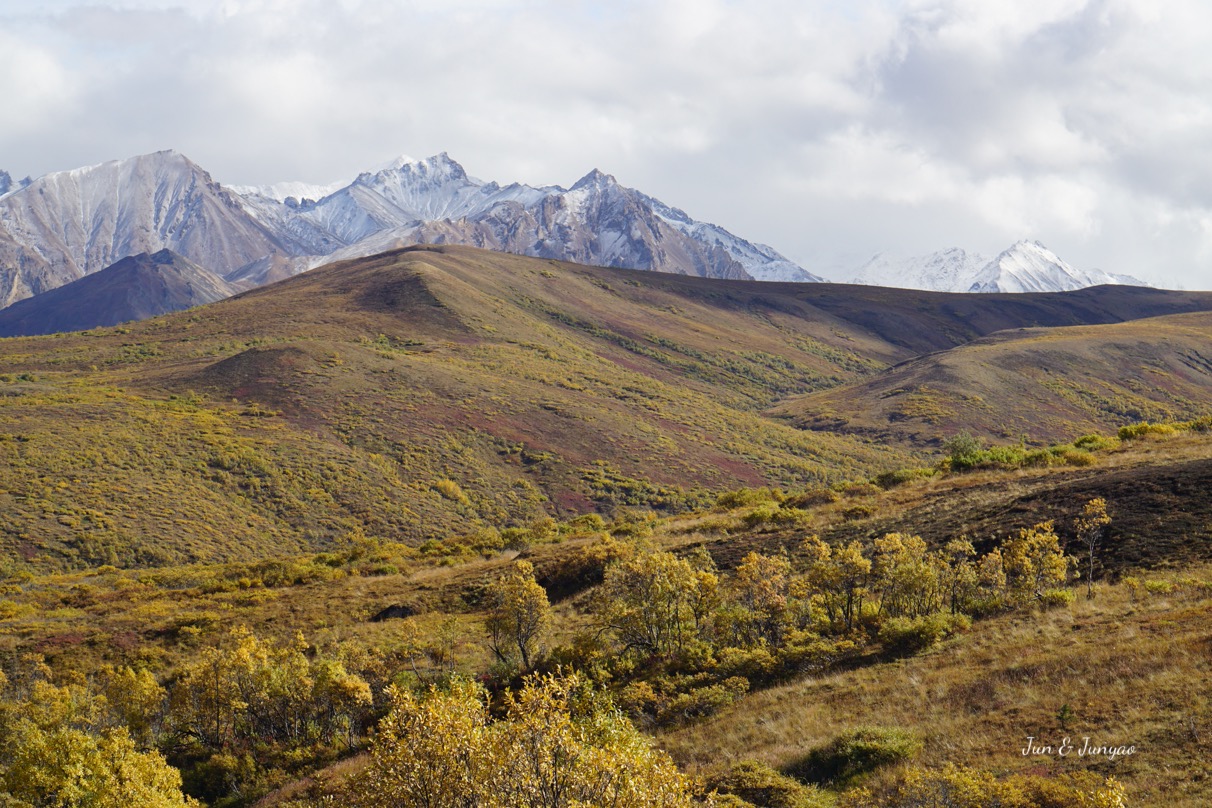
(136, 700)
(251, 690)
(519, 615)
(57, 753)
(762, 588)
(960, 576)
(431, 752)
(906, 577)
(1034, 562)
(652, 601)
(841, 575)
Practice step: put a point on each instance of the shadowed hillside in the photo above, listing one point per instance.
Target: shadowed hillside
(135, 288)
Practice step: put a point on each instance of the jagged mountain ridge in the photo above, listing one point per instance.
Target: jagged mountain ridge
(69, 224)
(1026, 266)
(135, 288)
(8, 184)
(596, 221)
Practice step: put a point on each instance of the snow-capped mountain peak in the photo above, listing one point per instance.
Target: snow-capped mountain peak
(1026, 266)
(68, 224)
(395, 165)
(1029, 266)
(595, 179)
(436, 169)
(74, 223)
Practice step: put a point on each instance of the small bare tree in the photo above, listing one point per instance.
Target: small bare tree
(1090, 528)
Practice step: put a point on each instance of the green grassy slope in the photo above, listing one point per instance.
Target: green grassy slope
(1131, 665)
(1132, 673)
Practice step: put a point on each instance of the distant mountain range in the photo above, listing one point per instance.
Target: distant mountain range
(1027, 266)
(66, 225)
(69, 225)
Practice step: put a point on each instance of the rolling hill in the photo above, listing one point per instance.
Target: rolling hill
(320, 482)
(436, 391)
(1045, 384)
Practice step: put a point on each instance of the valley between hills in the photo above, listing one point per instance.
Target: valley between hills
(323, 487)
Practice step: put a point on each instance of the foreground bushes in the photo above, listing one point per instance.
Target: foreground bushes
(908, 635)
(749, 783)
(560, 743)
(61, 746)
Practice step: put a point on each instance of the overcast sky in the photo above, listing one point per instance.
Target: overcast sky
(829, 129)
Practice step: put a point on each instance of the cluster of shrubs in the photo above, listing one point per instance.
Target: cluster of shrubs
(678, 640)
(964, 452)
(1145, 428)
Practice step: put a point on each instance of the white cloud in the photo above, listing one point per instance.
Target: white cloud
(37, 89)
(825, 128)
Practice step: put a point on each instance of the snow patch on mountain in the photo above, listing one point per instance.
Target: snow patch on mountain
(1026, 266)
(300, 192)
(1029, 266)
(950, 270)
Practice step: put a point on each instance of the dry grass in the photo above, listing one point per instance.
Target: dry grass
(1133, 673)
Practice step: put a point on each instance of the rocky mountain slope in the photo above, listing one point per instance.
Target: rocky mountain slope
(69, 224)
